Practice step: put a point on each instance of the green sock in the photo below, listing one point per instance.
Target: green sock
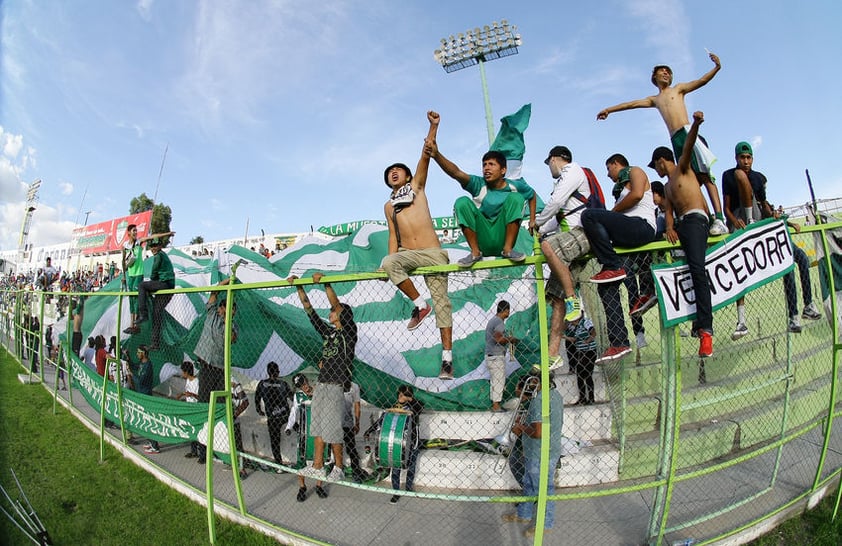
(720, 216)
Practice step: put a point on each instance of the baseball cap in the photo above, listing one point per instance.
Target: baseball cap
(156, 242)
(661, 152)
(743, 148)
(559, 151)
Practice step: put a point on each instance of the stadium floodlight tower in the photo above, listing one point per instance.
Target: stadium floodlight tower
(476, 47)
(31, 200)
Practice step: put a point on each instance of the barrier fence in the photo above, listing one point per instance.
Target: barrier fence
(659, 446)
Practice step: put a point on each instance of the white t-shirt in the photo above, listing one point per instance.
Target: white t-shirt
(645, 208)
(124, 373)
(191, 385)
(571, 178)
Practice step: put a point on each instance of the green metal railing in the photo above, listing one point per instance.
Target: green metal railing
(670, 470)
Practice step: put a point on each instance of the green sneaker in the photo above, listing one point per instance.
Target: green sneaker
(572, 309)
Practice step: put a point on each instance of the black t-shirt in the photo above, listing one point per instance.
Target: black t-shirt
(338, 346)
(729, 188)
(275, 394)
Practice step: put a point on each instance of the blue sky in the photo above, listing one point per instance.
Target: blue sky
(284, 114)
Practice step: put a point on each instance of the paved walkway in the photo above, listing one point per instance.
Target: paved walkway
(362, 515)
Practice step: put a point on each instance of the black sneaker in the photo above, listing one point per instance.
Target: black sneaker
(394, 499)
(302, 494)
(321, 492)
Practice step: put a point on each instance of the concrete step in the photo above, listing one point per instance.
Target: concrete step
(486, 471)
(585, 422)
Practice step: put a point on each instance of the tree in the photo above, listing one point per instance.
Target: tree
(197, 240)
(161, 213)
(161, 218)
(141, 203)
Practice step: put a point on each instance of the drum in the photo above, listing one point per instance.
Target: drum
(304, 438)
(393, 445)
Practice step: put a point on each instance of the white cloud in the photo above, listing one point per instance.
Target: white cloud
(243, 54)
(12, 144)
(66, 188)
(144, 8)
(12, 165)
(668, 29)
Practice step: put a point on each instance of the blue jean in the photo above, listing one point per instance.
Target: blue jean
(803, 263)
(531, 479)
(609, 293)
(693, 234)
(410, 471)
(605, 229)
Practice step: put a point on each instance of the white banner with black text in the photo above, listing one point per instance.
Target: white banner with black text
(744, 261)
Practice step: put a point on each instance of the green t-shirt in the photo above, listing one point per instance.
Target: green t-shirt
(162, 268)
(491, 200)
(136, 269)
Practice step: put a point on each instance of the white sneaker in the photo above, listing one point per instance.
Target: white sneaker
(310, 472)
(718, 228)
(641, 340)
(740, 331)
(811, 312)
(336, 475)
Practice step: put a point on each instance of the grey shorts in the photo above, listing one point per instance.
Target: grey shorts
(326, 412)
(568, 246)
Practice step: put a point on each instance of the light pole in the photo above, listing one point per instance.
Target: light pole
(31, 201)
(476, 47)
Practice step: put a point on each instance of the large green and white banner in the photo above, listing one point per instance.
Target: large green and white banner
(153, 417)
(272, 325)
(744, 261)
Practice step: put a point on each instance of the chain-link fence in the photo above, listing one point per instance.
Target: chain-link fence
(657, 443)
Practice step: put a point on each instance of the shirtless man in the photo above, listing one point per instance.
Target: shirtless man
(413, 243)
(670, 104)
(684, 199)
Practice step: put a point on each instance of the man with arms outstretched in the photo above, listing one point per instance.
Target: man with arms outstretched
(670, 104)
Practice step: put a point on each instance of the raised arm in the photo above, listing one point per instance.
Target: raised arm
(420, 178)
(688, 87)
(331, 294)
(687, 152)
(302, 295)
(214, 295)
(648, 102)
(449, 168)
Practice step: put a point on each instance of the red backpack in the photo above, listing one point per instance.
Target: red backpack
(596, 200)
